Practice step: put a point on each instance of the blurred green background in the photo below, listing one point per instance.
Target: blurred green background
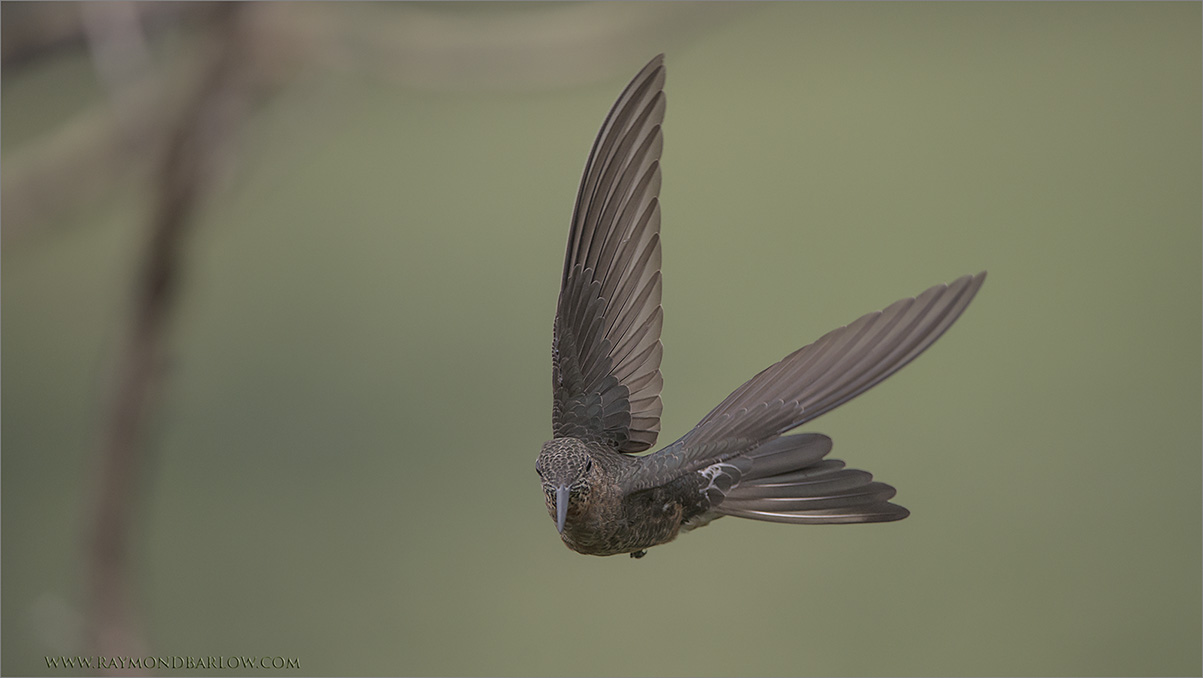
(341, 461)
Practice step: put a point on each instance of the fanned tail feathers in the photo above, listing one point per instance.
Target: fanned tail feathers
(787, 480)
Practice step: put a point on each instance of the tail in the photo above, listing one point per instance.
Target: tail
(788, 481)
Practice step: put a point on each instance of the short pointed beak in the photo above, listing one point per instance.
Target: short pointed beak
(561, 507)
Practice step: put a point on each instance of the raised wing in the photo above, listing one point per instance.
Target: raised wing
(606, 348)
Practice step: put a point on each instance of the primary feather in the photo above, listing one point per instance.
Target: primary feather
(606, 347)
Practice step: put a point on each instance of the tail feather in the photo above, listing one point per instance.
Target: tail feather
(824, 466)
(790, 482)
(787, 453)
(877, 513)
(818, 498)
(838, 481)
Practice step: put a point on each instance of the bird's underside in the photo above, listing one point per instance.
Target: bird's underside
(606, 377)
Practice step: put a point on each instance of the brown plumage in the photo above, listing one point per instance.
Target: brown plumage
(606, 377)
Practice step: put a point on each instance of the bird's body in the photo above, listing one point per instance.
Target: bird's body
(609, 514)
(606, 377)
(601, 519)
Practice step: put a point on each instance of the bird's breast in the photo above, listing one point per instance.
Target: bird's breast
(612, 523)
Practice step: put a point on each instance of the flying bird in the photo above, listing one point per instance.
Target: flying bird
(606, 500)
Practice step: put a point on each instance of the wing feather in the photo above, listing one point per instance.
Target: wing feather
(813, 380)
(606, 349)
(841, 365)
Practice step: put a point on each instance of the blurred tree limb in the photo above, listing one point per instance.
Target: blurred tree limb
(522, 46)
(81, 160)
(429, 45)
(33, 30)
(197, 145)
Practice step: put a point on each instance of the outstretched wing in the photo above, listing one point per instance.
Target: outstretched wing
(606, 348)
(841, 365)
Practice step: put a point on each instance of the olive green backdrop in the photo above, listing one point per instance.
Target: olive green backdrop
(343, 466)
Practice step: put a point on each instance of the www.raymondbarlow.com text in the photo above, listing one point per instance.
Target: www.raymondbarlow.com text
(152, 662)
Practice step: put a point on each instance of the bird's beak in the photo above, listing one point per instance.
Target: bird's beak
(561, 507)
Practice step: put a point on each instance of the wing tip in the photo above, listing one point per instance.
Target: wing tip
(652, 70)
(970, 283)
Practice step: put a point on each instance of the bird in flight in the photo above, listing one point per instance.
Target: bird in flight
(606, 379)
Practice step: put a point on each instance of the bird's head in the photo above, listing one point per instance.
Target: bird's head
(565, 468)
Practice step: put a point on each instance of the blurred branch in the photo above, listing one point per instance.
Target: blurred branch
(431, 45)
(82, 160)
(120, 54)
(31, 31)
(194, 152)
(531, 46)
